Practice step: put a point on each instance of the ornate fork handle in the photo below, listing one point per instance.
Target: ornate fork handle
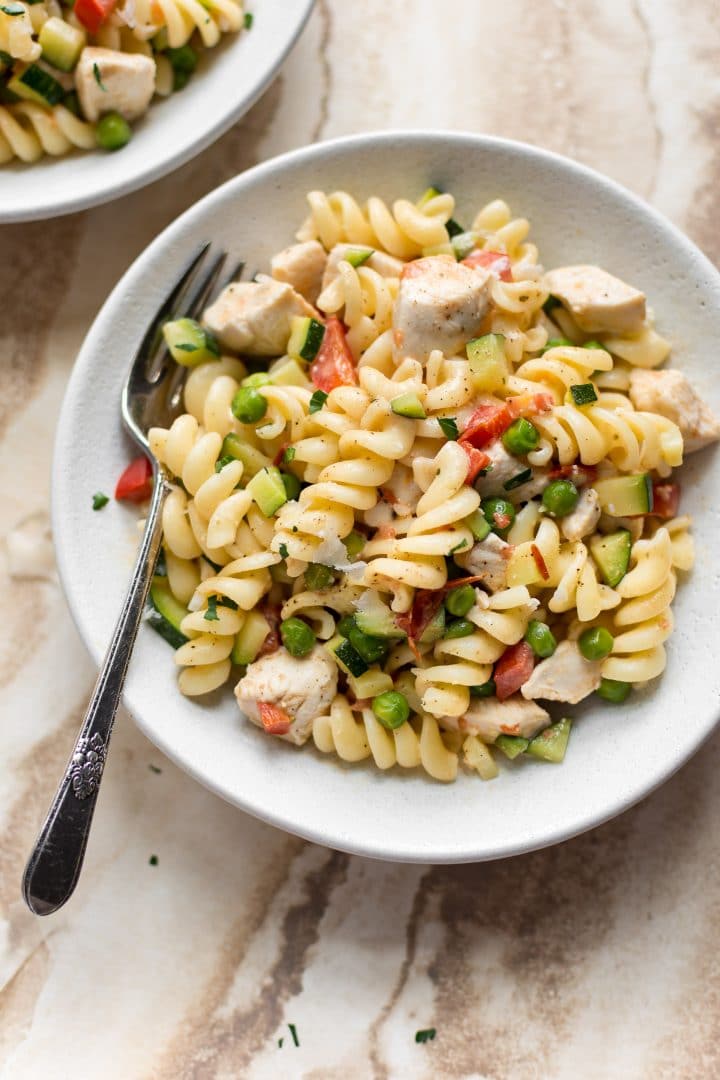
(54, 865)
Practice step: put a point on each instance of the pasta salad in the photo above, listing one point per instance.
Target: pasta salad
(422, 489)
(78, 75)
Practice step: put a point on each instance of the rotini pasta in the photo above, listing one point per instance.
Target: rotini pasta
(441, 503)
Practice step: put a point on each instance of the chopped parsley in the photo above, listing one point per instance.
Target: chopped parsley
(449, 427)
(458, 547)
(153, 860)
(248, 20)
(103, 87)
(99, 500)
(280, 1041)
(283, 549)
(225, 601)
(184, 346)
(154, 768)
(12, 9)
(293, 1032)
(317, 401)
(211, 614)
(518, 480)
(288, 454)
(426, 1035)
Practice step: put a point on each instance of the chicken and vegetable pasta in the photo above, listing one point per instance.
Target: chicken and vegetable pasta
(78, 75)
(423, 488)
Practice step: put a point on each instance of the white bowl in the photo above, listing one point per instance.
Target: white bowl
(617, 754)
(228, 82)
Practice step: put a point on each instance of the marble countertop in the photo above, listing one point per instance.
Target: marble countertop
(594, 959)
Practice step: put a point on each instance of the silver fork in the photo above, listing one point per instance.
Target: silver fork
(152, 395)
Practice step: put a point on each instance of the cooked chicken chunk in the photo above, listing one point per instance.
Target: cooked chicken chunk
(253, 317)
(670, 394)
(564, 676)
(383, 264)
(582, 521)
(302, 266)
(487, 560)
(503, 467)
(598, 301)
(488, 718)
(303, 688)
(441, 305)
(110, 81)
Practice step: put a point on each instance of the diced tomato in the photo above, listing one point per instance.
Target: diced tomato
(579, 474)
(334, 365)
(486, 423)
(477, 460)
(271, 643)
(666, 499)
(540, 561)
(414, 622)
(513, 669)
(136, 483)
(494, 261)
(530, 404)
(501, 519)
(93, 13)
(274, 719)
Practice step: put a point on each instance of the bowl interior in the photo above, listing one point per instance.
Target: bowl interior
(617, 754)
(229, 80)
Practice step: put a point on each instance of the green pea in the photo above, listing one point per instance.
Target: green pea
(540, 638)
(555, 342)
(593, 345)
(486, 689)
(499, 514)
(72, 103)
(183, 58)
(391, 709)
(291, 484)
(297, 636)
(180, 80)
(560, 497)
(318, 576)
(354, 542)
(613, 690)
(346, 624)
(459, 628)
(370, 648)
(596, 643)
(521, 437)
(113, 131)
(249, 405)
(258, 378)
(459, 601)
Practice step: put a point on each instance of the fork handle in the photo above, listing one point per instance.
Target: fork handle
(54, 866)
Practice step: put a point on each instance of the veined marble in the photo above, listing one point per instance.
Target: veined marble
(595, 959)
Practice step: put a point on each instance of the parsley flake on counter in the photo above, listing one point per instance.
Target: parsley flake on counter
(293, 1032)
(280, 1041)
(449, 427)
(426, 1035)
(154, 768)
(99, 500)
(248, 20)
(153, 860)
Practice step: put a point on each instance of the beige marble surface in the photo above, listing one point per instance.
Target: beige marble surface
(594, 959)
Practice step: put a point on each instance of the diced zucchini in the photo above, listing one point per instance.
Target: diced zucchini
(478, 756)
(346, 657)
(463, 243)
(408, 405)
(250, 638)
(488, 366)
(612, 554)
(253, 459)
(306, 336)
(190, 343)
(33, 83)
(287, 372)
(268, 490)
(551, 744)
(582, 394)
(166, 612)
(626, 496)
(512, 745)
(375, 618)
(372, 683)
(478, 525)
(435, 628)
(61, 43)
(427, 195)
(358, 256)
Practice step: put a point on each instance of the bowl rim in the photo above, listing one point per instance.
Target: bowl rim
(223, 122)
(332, 836)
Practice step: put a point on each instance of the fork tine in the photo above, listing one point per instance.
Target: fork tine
(148, 344)
(206, 287)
